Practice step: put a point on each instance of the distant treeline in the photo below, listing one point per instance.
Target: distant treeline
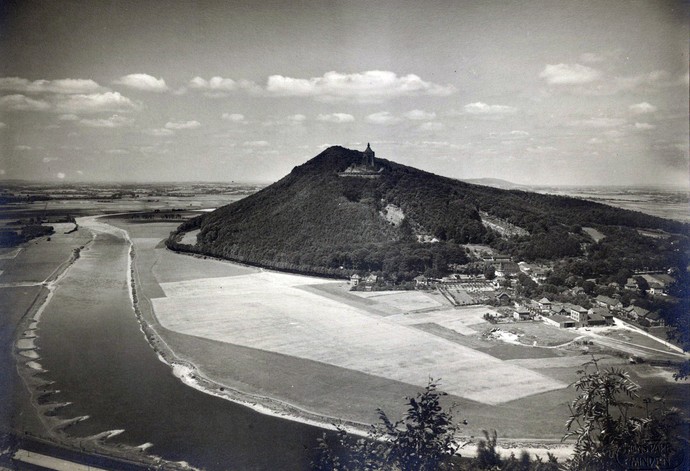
(11, 238)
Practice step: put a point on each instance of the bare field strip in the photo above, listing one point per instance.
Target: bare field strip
(268, 311)
(401, 301)
(460, 320)
(573, 362)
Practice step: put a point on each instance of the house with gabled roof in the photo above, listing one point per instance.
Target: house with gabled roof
(544, 304)
(608, 302)
(654, 319)
(635, 312)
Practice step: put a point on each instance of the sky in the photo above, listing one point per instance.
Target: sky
(534, 92)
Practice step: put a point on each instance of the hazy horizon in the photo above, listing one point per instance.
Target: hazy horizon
(538, 93)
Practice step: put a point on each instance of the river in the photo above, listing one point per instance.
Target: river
(92, 346)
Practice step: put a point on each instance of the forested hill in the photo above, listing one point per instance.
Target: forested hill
(403, 222)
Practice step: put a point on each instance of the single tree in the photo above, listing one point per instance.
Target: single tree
(609, 434)
(423, 440)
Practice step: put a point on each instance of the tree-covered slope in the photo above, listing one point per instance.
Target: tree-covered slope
(314, 220)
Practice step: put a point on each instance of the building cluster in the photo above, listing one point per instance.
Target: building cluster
(464, 289)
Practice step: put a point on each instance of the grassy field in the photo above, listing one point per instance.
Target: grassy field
(268, 311)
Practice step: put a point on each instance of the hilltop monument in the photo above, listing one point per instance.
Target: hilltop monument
(368, 157)
(366, 168)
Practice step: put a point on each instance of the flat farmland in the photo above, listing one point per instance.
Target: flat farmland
(405, 301)
(37, 265)
(461, 321)
(268, 311)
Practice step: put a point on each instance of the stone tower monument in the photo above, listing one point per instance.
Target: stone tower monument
(368, 157)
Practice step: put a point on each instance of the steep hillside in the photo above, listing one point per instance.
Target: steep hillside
(402, 221)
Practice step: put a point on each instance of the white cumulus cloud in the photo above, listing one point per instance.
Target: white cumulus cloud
(182, 124)
(484, 109)
(61, 175)
(369, 86)
(23, 103)
(642, 108)
(336, 118)
(215, 83)
(382, 117)
(66, 86)
(644, 126)
(144, 82)
(569, 74)
(95, 103)
(22, 147)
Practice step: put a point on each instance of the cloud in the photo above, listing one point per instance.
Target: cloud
(117, 152)
(219, 87)
(23, 103)
(297, 118)
(599, 122)
(644, 126)
(47, 160)
(419, 115)
(569, 74)
(648, 83)
(484, 109)
(642, 108)
(114, 121)
(2, 125)
(183, 125)
(61, 175)
(382, 117)
(143, 82)
(336, 118)
(234, 117)
(96, 103)
(2, 171)
(369, 86)
(595, 140)
(216, 83)
(22, 147)
(159, 132)
(519, 133)
(64, 86)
